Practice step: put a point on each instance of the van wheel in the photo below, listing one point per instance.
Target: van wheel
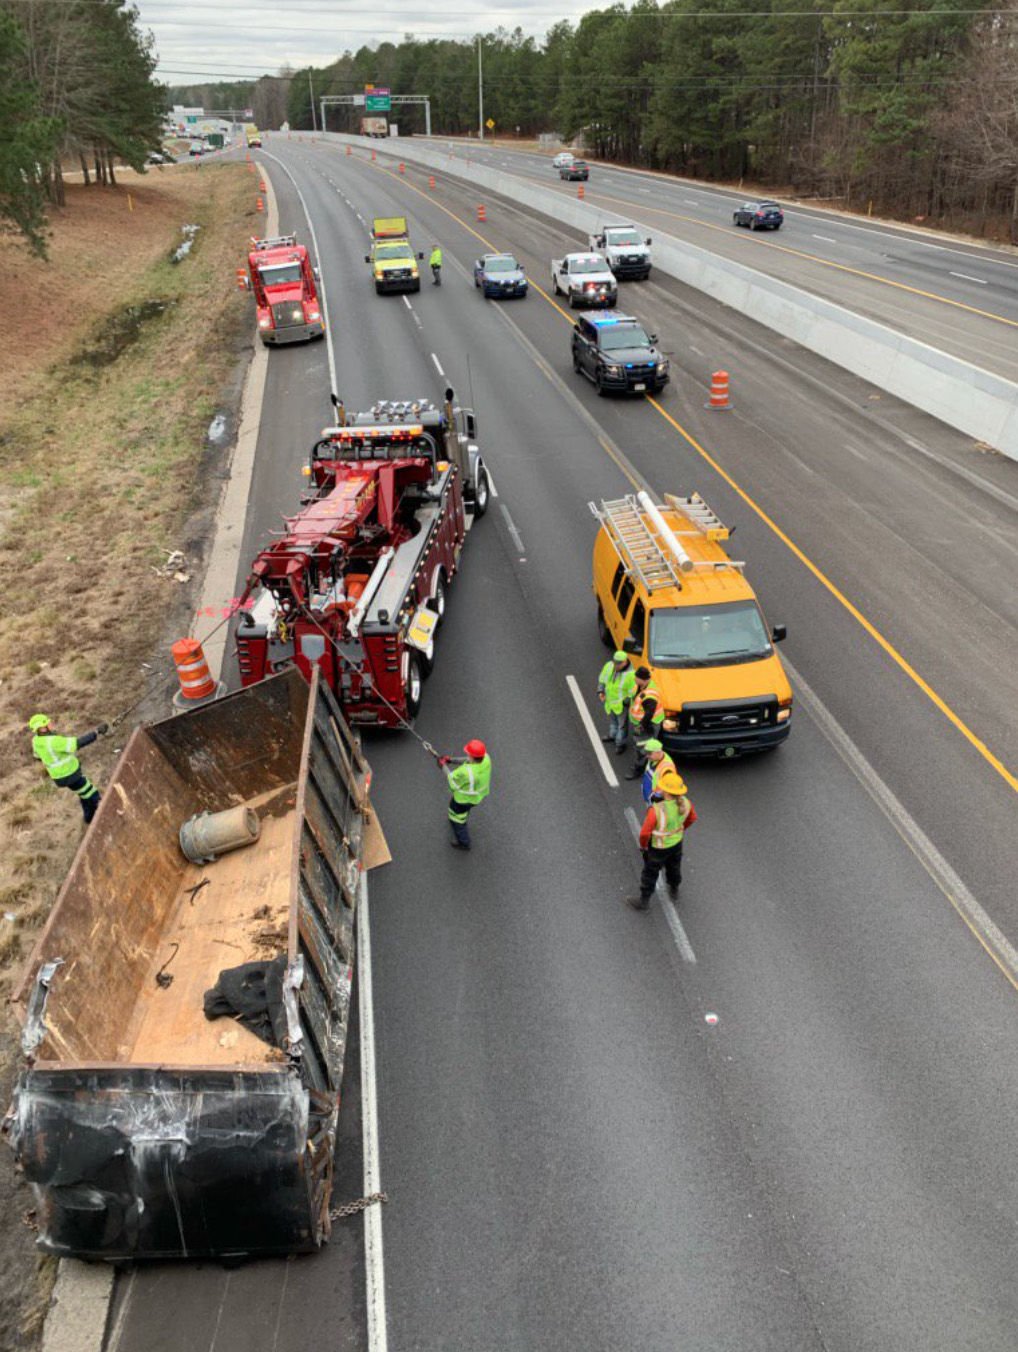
(603, 632)
(414, 684)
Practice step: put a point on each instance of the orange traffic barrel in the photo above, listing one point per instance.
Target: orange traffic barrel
(196, 682)
(719, 390)
(402, 168)
(374, 156)
(431, 181)
(348, 150)
(260, 205)
(242, 278)
(261, 185)
(482, 212)
(581, 192)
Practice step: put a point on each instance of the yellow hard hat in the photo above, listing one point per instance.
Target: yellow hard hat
(38, 721)
(673, 783)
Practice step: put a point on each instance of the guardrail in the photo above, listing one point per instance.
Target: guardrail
(965, 396)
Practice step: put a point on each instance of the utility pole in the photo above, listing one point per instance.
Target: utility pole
(314, 120)
(480, 92)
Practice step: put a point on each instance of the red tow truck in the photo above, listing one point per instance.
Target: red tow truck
(357, 582)
(283, 284)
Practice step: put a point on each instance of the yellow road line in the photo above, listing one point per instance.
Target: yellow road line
(993, 761)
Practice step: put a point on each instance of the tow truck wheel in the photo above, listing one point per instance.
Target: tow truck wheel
(437, 602)
(603, 632)
(414, 684)
(482, 493)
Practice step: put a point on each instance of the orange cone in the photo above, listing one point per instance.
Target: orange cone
(374, 155)
(580, 193)
(482, 213)
(431, 181)
(242, 278)
(719, 391)
(196, 682)
(260, 205)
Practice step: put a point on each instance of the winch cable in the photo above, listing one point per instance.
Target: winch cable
(391, 707)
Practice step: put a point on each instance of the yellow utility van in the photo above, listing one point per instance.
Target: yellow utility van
(669, 594)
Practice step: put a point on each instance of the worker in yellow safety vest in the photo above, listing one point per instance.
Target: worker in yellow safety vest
(469, 784)
(658, 763)
(616, 686)
(59, 756)
(661, 837)
(646, 714)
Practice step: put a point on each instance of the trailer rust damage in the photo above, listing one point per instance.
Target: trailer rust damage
(145, 1128)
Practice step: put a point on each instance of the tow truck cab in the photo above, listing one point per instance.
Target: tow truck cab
(669, 594)
(392, 258)
(283, 283)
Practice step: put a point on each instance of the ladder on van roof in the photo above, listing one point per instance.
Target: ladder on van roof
(636, 543)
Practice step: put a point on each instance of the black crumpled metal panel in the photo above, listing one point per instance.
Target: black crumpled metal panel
(150, 1163)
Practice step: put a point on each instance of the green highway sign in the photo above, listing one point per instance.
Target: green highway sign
(377, 100)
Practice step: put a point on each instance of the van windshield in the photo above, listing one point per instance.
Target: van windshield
(708, 636)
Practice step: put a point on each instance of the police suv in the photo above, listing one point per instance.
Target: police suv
(617, 353)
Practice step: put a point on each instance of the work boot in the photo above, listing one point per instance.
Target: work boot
(458, 845)
(621, 750)
(638, 903)
(673, 891)
(609, 738)
(635, 774)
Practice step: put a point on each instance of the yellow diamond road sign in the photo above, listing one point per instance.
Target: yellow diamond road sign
(490, 124)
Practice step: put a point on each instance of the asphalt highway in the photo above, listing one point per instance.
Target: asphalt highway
(576, 1158)
(958, 296)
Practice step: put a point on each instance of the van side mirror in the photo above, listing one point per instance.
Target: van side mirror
(779, 632)
(630, 644)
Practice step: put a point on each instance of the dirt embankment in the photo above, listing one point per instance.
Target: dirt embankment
(116, 360)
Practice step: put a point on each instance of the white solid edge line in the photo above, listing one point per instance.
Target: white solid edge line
(667, 905)
(595, 740)
(943, 875)
(321, 271)
(374, 1264)
(511, 525)
(438, 368)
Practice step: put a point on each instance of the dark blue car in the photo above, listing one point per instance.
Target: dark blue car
(500, 275)
(759, 215)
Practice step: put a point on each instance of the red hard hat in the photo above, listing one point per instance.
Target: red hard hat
(476, 749)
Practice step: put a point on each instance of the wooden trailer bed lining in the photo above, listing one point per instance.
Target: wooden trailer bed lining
(240, 916)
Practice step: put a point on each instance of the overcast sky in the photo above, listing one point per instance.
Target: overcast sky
(200, 40)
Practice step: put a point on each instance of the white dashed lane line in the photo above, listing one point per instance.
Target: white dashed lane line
(965, 277)
(438, 368)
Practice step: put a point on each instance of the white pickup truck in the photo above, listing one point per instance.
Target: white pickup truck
(626, 250)
(585, 278)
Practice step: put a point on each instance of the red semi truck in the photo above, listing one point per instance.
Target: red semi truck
(357, 583)
(284, 286)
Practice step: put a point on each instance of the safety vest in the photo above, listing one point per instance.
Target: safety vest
(654, 772)
(668, 828)
(471, 781)
(435, 261)
(57, 754)
(618, 686)
(649, 691)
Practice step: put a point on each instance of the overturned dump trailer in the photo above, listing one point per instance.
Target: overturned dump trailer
(145, 1128)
